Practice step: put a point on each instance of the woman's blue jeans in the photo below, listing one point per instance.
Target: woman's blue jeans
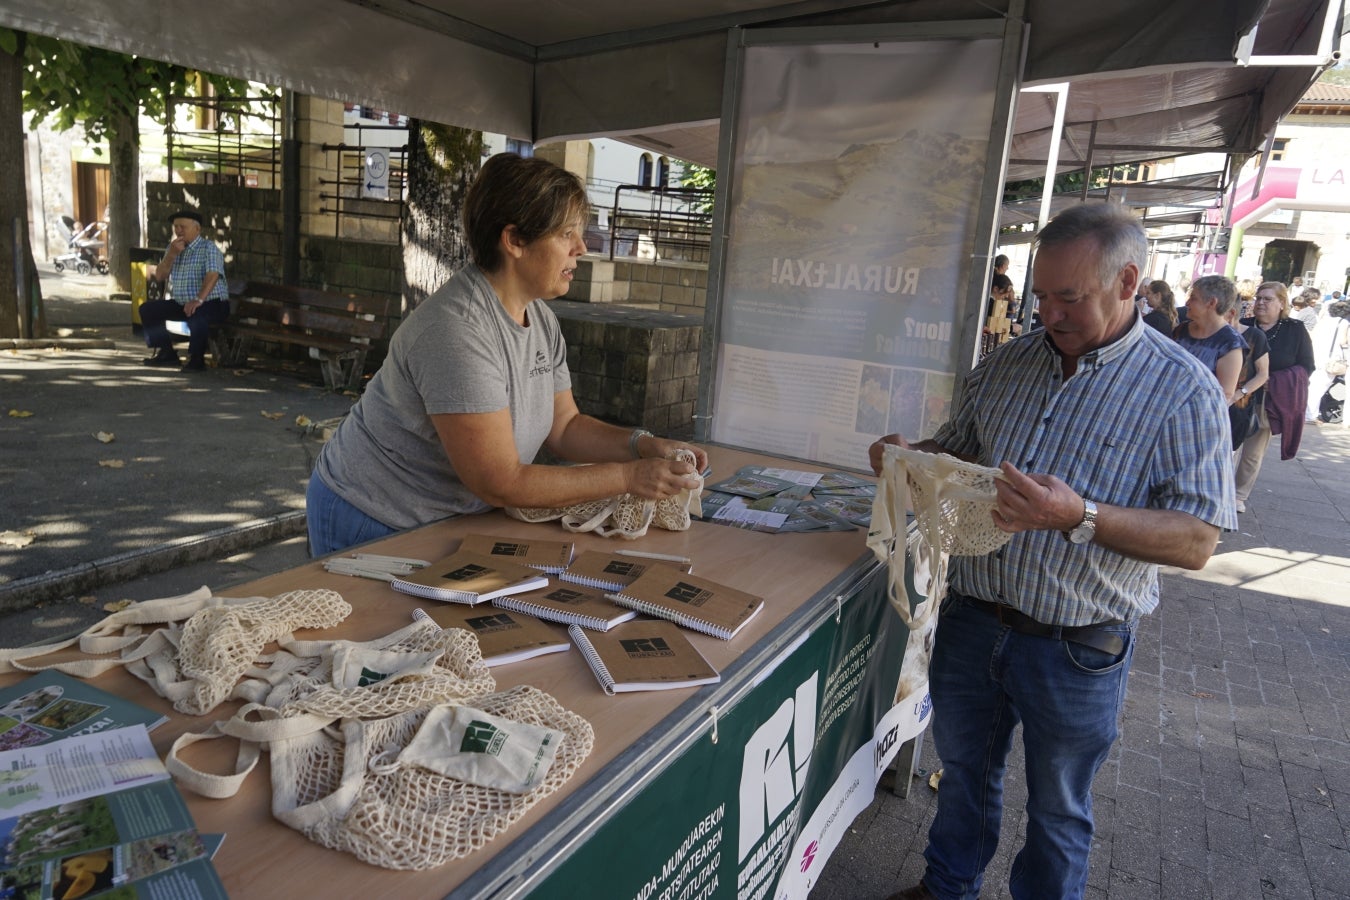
(985, 679)
(333, 523)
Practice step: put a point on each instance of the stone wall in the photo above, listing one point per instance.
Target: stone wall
(676, 287)
(633, 366)
(346, 266)
(244, 222)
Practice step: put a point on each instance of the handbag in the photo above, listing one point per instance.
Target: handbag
(1338, 365)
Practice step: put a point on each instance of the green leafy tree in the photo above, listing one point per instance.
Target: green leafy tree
(106, 93)
(692, 175)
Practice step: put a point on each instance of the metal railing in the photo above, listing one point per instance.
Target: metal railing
(237, 140)
(659, 223)
(341, 194)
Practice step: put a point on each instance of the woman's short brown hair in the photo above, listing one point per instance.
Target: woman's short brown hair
(536, 196)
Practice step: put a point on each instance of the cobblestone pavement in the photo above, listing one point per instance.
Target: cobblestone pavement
(1231, 778)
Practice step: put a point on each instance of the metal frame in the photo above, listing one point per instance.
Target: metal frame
(1011, 30)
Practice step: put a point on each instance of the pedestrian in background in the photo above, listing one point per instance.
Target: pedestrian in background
(194, 269)
(1282, 411)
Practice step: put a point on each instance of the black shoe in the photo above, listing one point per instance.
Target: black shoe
(918, 892)
(194, 364)
(162, 359)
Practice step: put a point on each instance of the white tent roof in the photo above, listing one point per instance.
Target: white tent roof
(1151, 75)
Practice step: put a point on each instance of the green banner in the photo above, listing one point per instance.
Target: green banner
(804, 746)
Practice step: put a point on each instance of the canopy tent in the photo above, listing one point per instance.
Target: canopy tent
(1150, 78)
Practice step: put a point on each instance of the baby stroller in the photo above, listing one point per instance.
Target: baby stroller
(82, 247)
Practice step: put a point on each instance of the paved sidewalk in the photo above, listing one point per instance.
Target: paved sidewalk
(1231, 779)
(190, 467)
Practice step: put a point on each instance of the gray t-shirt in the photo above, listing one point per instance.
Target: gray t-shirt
(459, 352)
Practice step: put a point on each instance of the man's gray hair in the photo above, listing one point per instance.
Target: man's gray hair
(1219, 289)
(1118, 234)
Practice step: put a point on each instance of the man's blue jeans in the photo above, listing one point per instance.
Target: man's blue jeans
(155, 313)
(333, 523)
(985, 679)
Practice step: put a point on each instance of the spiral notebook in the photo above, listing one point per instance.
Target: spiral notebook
(503, 636)
(470, 578)
(698, 603)
(570, 604)
(647, 655)
(544, 555)
(612, 571)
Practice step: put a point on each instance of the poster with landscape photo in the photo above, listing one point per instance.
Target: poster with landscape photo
(851, 228)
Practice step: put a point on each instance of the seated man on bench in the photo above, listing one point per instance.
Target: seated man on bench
(195, 270)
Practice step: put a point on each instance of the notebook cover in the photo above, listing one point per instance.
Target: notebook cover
(611, 571)
(569, 604)
(504, 636)
(464, 577)
(545, 555)
(645, 655)
(698, 603)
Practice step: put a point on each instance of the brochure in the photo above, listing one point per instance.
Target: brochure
(75, 768)
(106, 843)
(51, 705)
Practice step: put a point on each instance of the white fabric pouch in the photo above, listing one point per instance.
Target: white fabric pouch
(478, 748)
(356, 665)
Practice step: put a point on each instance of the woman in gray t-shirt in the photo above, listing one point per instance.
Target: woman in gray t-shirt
(476, 382)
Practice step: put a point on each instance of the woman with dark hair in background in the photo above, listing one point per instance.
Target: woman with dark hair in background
(1291, 362)
(476, 382)
(1162, 306)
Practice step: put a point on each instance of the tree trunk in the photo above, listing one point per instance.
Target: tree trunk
(442, 162)
(21, 311)
(124, 195)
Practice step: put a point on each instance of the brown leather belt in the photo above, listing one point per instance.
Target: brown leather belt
(1095, 636)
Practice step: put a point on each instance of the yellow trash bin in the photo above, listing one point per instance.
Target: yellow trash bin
(143, 287)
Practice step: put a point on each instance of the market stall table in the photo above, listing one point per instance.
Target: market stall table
(809, 582)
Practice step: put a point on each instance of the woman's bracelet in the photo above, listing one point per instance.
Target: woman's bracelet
(637, 435)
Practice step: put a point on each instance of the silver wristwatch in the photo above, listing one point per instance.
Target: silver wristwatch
(1086, 530)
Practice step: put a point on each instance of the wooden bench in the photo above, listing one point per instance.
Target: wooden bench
(337, 329)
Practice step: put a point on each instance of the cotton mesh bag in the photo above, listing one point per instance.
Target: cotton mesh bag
(953, 503)
(410, 817)
(625, 516)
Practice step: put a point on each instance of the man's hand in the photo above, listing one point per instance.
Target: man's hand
(877, 452)
(1035, 502)
(192, 306)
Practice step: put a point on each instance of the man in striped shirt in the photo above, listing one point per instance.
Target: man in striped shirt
(1113, 441)
(195, 270)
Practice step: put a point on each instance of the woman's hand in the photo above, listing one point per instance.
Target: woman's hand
(653, 447)
(656, 479)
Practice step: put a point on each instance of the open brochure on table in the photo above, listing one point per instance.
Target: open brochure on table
(769, 499)
(75, 768)
(97, 816)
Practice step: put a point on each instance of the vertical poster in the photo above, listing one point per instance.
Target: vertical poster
(850, 235)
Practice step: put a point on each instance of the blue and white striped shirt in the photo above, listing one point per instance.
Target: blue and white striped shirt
(190, 268)
(1140, 424)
